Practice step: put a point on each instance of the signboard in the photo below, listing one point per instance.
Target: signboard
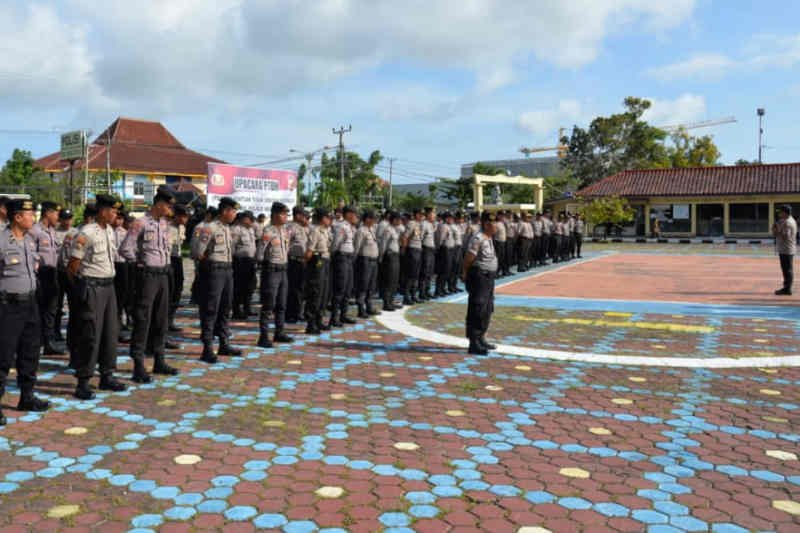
(72, 145)
(255, 189)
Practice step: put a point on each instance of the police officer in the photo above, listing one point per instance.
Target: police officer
(212, 248)
(19, 317)
(525, 242)
(177, 234)
(44, 235)
(64, 232)
(147, 246)
(479, 272)
(73, 333)
(3, 212)
(92, 268)
(578, 231)
(389, 256)
(273, 252)
(342, 256)
(457, 227)
(317, 281)
(500, 238)
(365, 244)
(444, 241)
(428, 266)
(298, 230)
(122, 283)
(244, 264)
(412, 248)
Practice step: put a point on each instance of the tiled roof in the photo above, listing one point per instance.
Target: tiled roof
(139, 146)
(699, 181)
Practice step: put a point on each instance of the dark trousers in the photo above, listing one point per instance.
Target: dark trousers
(367, 282)
(244, 272)
(578, 243)
(317, 284)
(524, 254)
(500, 251)
(98, 328)
(342, 281)
(47, 294)
(150, 314)
(274, 288)
(390, 276)
(456, 262)
(294, 302)
(787, 268)
(480, 305)
(215, 297)
(176, 279)
(444, 260)
(427, 269)
(123, 289)
(413, 262)
(552, 245)
(63, 296)
(20, 332)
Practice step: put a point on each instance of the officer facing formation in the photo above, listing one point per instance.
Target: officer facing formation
(91, 268)
(479, 272)
(20, 326)
(212, 248)
(147, 246)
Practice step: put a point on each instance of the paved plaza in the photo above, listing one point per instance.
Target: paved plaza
(390, 425)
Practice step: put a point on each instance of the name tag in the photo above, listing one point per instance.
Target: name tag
(148, 235)
(219, 239)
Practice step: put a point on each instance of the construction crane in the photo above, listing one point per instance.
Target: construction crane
(561, 148)
(695, 125)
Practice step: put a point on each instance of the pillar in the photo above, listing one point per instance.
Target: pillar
(539, 196)
(726, 219)
(693, 214)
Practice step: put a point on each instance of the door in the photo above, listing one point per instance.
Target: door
(710, 220)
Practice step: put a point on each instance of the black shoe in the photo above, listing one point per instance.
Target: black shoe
(282, 337)
(169, 345)
(32, 403)
(313, 330)
(111, 383)
(292, 320)
(140, 375)
(51, 349)
(227, 349)
(335, 323)
(362, 314)
(373, 312)
(408, 301)
(174, 329)
(388, 307)
(264, 342)
(84, 392)
(487, 345)
(326, 327)
(476, 349)
(58, 337)
(348, 320)
(3, 420)
(779, 292)
(164, 369)
(208, 356)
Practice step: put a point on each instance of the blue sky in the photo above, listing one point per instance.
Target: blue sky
(433, 84)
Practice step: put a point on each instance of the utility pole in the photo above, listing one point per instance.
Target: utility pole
(391, 160)
(760, 113)
(340, 132)
(86, 167)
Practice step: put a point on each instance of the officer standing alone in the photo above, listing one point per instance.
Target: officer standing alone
(479, 272)
(19, 317)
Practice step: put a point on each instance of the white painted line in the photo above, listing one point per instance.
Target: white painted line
(397, 321)
(572, 263)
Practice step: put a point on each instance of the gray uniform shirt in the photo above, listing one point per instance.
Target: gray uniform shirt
(500, 236)
(177, 234)
(46, 244)
(442, 235)
(482, 248)
(273, 247)
(512, 229)
(64, 253)
(786, 236)
(147, 242)
(389, 240)
(538, 227)
(428, 229)
(579, 227)
(526, 230)
(244, 241)
(18, 263)
(95, 247)
(365, 243)
(319, 241)
(414, 234)
(213, 242)
(298, 239)
(119, 237)
(343, 235)
(547, 226)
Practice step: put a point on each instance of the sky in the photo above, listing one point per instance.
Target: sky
(431, 83)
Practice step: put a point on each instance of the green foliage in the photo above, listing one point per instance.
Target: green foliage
(360, 179)
(745, 162)
(19, 175)
(608, 211)
(410, 201)
(555, 187)
(624, 141)
(19, 169)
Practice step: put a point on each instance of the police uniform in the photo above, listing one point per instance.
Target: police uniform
(147, 246)
(244, 268)
(444, 241)
(389, 254)
(212, 248)
(317, 281)
(273, 252)
(342, 251)
(412, 239)
(458, 256)
(63, 235)
(122, 282)
(19, 315)
(480, 285)
(46, 241)
(298, 244)
(177, 234)
(580, 227)
(525, 243)
(428, 266)
(96, 304)
(500, 248)
(366, 249)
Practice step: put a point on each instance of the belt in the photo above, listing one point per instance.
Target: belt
(296, 258)
(216, 265)
(344, 254)
(482, 271)
(17, 298)
(269, 267)
(367, 258)
(98, 282)
(41, 267)
(155, 271)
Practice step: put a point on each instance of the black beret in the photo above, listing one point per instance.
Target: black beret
(65, 214)
(15, 206)
(50, 206)
(298, 210)
(227, 202)
(416, 211)
(90, 210)
(487, 216)
(428, 209)
(164, 195)
(447, 214)
(278, 208)
(212, 211)
(106, 200)
(459, 214)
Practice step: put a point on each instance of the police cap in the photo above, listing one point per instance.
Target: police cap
(180, 209)
(321, 212)
(416, 211)
(227, 202)
(487, 216)
(248, 214)
(298, 210)
(786, 209)
(164, 195)
(16, 206)
(348, 209)
(90, 210)
(278, 208)
(50, 206)
(368, 214)
(65, 214)
(106, 200)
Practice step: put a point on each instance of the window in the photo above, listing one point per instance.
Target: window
(672, 218)
(749, 218)
(138, 188)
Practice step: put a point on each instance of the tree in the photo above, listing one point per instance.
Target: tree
(410, 201)
(745, 162)
(624, 141)
(21, 176)
(608, 211)
(18, 170)
(360, 179)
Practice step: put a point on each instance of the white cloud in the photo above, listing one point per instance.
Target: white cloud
(231, 54)
(763, 52)
(683, 109)
(543, 122)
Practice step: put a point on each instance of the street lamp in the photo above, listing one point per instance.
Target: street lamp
(760, 113)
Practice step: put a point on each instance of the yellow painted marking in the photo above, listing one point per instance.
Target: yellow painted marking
(760, 330)
(769, 370)
(782, 455)
(386, 374)
(788, 506)
(274, 423)
(406, 446)
(677, 316)
(761, 341)
(759, 320)
(494, 388)
(776, 419)
(574, 472)
(622, 401)
(425, 358)
(187, 459)
(338, 396)
(294, 362)
(166, 403)
(637, 379)
(659, 346)
(600, 431)
(618, 314)
(522, 367)
(770, 392)
(77, 430)
(455, 412)
(63, 511)
(533, 529)
(329, 492)
(376, 336)
(661, 326)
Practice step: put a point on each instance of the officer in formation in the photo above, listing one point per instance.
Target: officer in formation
(342, 250)
(317, 282)
(298, 230)
(20, 321)
(177, 235)
(64, 234)
(45, 236)
(366, 249)
(3, 212)
(273, 252)
(244, 264)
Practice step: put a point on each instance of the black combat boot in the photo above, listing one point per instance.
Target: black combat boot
(227, 349)
(51, 348)
(84, 391)
(475, 347)
(281, 336)
(208, 355)
(170, 345)
(161, 367)
(140, 375)
(362, 313)
(485, 344)
(29, 402)
(335, 322)
(110, 383)
(263, 341)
